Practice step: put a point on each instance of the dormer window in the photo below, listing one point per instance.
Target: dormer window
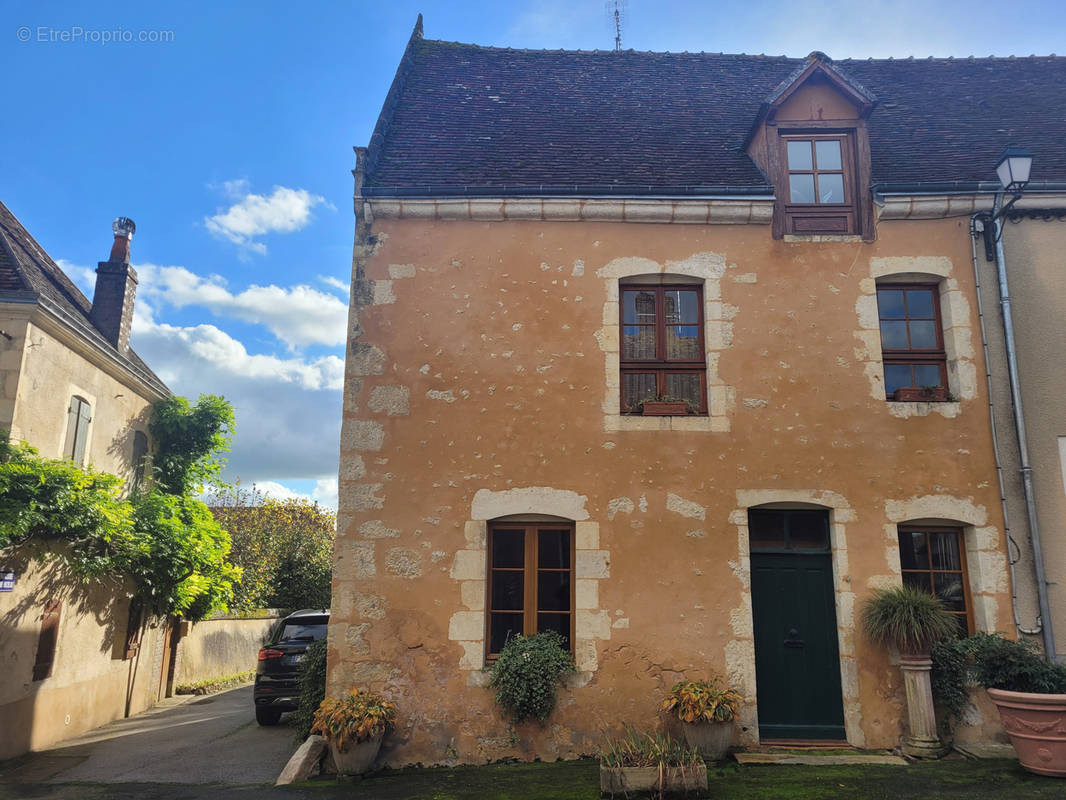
(821, 183)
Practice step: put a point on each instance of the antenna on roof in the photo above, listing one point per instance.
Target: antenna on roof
(616, 13)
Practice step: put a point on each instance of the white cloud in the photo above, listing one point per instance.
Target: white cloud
(284, 211)
(288, 409)
(297, 315)
(84, 277)
(336, 283)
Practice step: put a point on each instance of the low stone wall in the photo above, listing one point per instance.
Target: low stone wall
(220, 646)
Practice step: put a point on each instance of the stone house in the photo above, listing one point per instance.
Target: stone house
(73, 657)
(550, 247)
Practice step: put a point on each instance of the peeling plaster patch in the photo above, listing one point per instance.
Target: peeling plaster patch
(685, 508)
(564, 503)
(369, 606)
(579, 268)
(745, 277)
(353, 637)
(619, 505)
(363, 559)
(352, 467)
(696, 534)
(383, 295)
(642, 504)
(755, 402)
(397, 271)
(365, 359)
(403, 563)
(436, 394)
(362, 434)
(375, 529)
(363, 496)
(392, 400)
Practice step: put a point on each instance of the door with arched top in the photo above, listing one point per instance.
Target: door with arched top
(797, 660)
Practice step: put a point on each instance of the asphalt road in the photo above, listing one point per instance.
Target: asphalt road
(208, 740)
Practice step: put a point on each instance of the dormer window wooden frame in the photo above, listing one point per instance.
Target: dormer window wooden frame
(818, 103)
(822, 213)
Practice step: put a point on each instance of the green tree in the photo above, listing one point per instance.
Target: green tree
(284, 547)
(189, 442)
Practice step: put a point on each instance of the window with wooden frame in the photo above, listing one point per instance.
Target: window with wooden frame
(821, 183)
(47, 640)
(912, 342)
(531, 582)
(934, 559)
(662, 353)
(133, 628)
(79, 415)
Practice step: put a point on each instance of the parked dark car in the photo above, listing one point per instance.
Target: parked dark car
(276, 690)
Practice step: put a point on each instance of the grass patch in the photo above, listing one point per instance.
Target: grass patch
(579, 780)
(212, 685)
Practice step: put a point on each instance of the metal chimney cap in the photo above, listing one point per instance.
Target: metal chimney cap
(124, 226)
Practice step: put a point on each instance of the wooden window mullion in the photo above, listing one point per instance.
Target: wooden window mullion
(530, 617)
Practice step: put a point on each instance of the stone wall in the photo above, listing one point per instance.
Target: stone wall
(221, 646)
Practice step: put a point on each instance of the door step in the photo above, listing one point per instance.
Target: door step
(818, 756)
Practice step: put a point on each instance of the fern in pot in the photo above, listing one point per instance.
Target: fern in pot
(912, 620)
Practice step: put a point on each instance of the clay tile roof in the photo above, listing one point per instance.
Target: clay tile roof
(463, 116)
(27, 271)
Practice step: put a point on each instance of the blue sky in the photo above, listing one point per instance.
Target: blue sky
(229, 143)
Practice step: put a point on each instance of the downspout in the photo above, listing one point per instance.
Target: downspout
(1019, 424)
(975, 231)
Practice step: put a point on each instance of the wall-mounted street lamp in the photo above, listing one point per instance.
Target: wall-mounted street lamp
(1013, 169)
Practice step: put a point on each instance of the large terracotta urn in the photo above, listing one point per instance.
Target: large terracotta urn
(1036, 724)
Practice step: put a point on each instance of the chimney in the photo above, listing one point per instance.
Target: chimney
(116, 285)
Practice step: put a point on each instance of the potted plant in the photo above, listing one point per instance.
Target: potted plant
(1030, 694)
(912, 620)
(527, 674)
(706, 712)
(921, 394)
(666, 406)
(650, 762)
(353, 727)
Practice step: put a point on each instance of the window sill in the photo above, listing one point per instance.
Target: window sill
(626, 422)
(822, 237)
(903, 409)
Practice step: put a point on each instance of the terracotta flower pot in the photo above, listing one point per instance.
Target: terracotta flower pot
(712, 739)
(356, 758)
(1036, 724)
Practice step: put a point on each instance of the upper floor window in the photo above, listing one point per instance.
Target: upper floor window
(662, 352)
(531, 581)
(912, 342)
(934, 560)
(820, 173)
(79, 415)
(140, 457)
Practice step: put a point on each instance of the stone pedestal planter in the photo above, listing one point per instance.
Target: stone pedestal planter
(620, 780)
(712, 739)
(1036, 724)
(356, 758)
(922, 741)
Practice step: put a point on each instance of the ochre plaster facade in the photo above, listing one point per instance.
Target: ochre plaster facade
(479, 385)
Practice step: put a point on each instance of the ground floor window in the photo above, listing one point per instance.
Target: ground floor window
(531, 581)
(934, 559)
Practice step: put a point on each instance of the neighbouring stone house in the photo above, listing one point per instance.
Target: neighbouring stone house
(73, 657)
(546, 242)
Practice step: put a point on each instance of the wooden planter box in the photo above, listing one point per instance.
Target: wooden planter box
(675, 780)
(664, 408)
(920, 394)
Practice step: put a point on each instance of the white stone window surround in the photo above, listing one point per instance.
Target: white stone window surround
(470, 570)
(740, 652)
(955, 319)
(986, 560)
(704, 268)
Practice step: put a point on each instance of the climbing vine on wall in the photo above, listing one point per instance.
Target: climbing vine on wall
(161, 537)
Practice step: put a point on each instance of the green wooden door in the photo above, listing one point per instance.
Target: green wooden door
(797, 663)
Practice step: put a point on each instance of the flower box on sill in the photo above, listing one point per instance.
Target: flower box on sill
(920, 394)
(664, 408)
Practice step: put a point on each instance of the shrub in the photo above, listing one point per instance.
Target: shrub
(1000, 663)
(702, 701)
(354, 718)
(949, 676)
(911, 619)
(311, 681)
(527, 674)
(643, 749)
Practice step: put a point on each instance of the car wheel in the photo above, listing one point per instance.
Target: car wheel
(267, 716)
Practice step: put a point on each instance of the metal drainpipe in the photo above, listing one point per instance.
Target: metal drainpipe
(1011, 561)
(1019, 424)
